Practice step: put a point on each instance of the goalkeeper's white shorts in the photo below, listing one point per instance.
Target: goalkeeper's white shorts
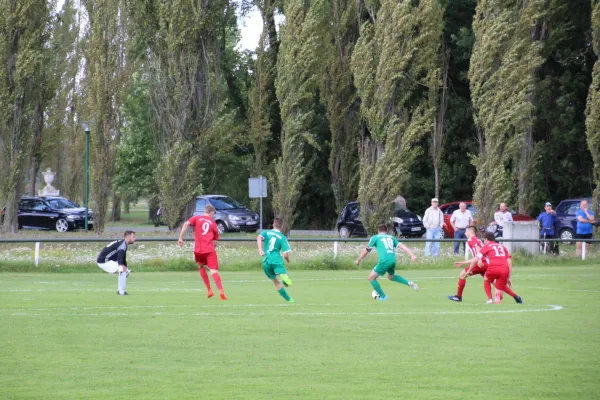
(111, 267)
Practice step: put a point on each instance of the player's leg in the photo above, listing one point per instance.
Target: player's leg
(212, 262)
(201, 261)
(462, 281)
(502, 287)
(392, 276)
(122, 285)
(269, 270)
(373, 281)
(487, 286)
(281, 289)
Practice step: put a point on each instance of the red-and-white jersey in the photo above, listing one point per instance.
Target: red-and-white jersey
(496, 256)
(205, 231)
(474, 244)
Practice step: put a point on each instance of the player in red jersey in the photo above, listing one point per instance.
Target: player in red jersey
(498, 270)
(206, 234)
(474, 245)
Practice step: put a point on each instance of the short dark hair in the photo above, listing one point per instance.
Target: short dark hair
(277, 223)
(127, 233)
(472, 228)
(489, 236)
(382, 228)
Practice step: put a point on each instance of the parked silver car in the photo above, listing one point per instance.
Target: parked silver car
(230, 215)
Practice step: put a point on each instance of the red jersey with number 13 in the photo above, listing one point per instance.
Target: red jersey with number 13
(496, 256)
(205, 231)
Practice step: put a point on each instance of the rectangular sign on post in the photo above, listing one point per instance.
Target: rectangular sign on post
(258, 190)
(258, 187)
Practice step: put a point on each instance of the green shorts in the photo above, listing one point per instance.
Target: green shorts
(383, 267)
(272, 270)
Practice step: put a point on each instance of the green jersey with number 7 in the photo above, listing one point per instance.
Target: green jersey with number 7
(385, 245)
(274, 244)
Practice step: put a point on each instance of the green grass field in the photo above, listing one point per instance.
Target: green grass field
(69, 336)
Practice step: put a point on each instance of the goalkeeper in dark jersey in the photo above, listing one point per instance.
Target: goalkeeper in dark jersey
(113, 259)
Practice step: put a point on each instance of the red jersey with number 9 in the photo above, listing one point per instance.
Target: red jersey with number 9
(496, 256)
(205, 231)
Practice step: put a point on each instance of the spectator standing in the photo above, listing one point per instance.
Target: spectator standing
(547, 220)
(433, 221)
(585, 220)
(459, 220)
(500, 217)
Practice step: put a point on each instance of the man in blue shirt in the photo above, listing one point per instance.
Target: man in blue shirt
(585, 219)
(547, 221)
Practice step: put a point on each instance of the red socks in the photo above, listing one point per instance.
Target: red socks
(461, 287)
(217, 280)
(204, 276)
(488, 289)
(509, 291)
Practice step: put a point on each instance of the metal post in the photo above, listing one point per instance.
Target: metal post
(466, 252)
(335, 250)
(262, 191)
(37, 253)
(583, 244)
(87, 174)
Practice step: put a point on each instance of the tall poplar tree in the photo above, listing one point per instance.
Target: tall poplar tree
(397, 71)
(23, 25)
(593, 106)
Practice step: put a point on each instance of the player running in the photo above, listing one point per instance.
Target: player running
(113, 258)
(474, 245)
(499, 268)
(206, 235)
(271, 243)
(385, 245)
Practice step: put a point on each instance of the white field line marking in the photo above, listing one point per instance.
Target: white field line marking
(241, 314)
(220, 306)
(562, 289)
(321, 279)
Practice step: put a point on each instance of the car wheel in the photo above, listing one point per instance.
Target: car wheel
(344, 232)
(62, 225)
(222, 227)
(566, 235)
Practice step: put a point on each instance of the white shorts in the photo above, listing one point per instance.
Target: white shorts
(111, 267)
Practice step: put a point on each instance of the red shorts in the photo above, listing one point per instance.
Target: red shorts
(498, 275)
(208, 259)
(477, 270)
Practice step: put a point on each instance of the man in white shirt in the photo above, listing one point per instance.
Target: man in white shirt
(500, 217)
(433, 221)
(459, 220)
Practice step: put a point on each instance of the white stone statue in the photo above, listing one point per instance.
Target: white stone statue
(48, 190)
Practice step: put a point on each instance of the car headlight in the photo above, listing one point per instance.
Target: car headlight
(420, 219)
(234, 218)
(398, 220)
(74, 217)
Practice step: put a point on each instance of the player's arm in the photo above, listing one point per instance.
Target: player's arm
(509, 263)
(183, 229)
(286, 256)
(474, 262)
(259, 244)
(363, 255)
(461, 263)
(121, 260)
(407, 251)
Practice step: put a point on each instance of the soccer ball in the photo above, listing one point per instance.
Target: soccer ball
(375, 295)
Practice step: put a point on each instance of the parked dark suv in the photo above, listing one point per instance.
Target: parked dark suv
(52, 213)
(406, 223)
(566, 222)
(230, 215)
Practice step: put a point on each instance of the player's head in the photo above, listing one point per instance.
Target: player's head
(209, 210)
(277, 223)
(489, 237)
(383, 228)
(502, 206)
(129, 237)
(471, 231)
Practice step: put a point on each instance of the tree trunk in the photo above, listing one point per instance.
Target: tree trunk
(36, 147)
(116, 208)
(126, 203)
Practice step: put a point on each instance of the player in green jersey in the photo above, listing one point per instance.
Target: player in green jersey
(271, 244)
(385, 245)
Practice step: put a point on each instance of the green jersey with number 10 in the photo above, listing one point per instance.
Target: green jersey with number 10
(274, 243)
(385, 245)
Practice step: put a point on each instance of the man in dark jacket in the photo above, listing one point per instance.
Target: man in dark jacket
(113, 259)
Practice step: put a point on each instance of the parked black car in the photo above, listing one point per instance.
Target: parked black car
(566, 221)
(56, 213)
(230, 215)
(406, 223)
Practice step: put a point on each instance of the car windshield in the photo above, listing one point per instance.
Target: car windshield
(225, 203)
(401, 211)
(59, 204)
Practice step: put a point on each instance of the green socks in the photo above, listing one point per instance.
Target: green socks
(399, 279)
(284, 294)
(377, 288)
